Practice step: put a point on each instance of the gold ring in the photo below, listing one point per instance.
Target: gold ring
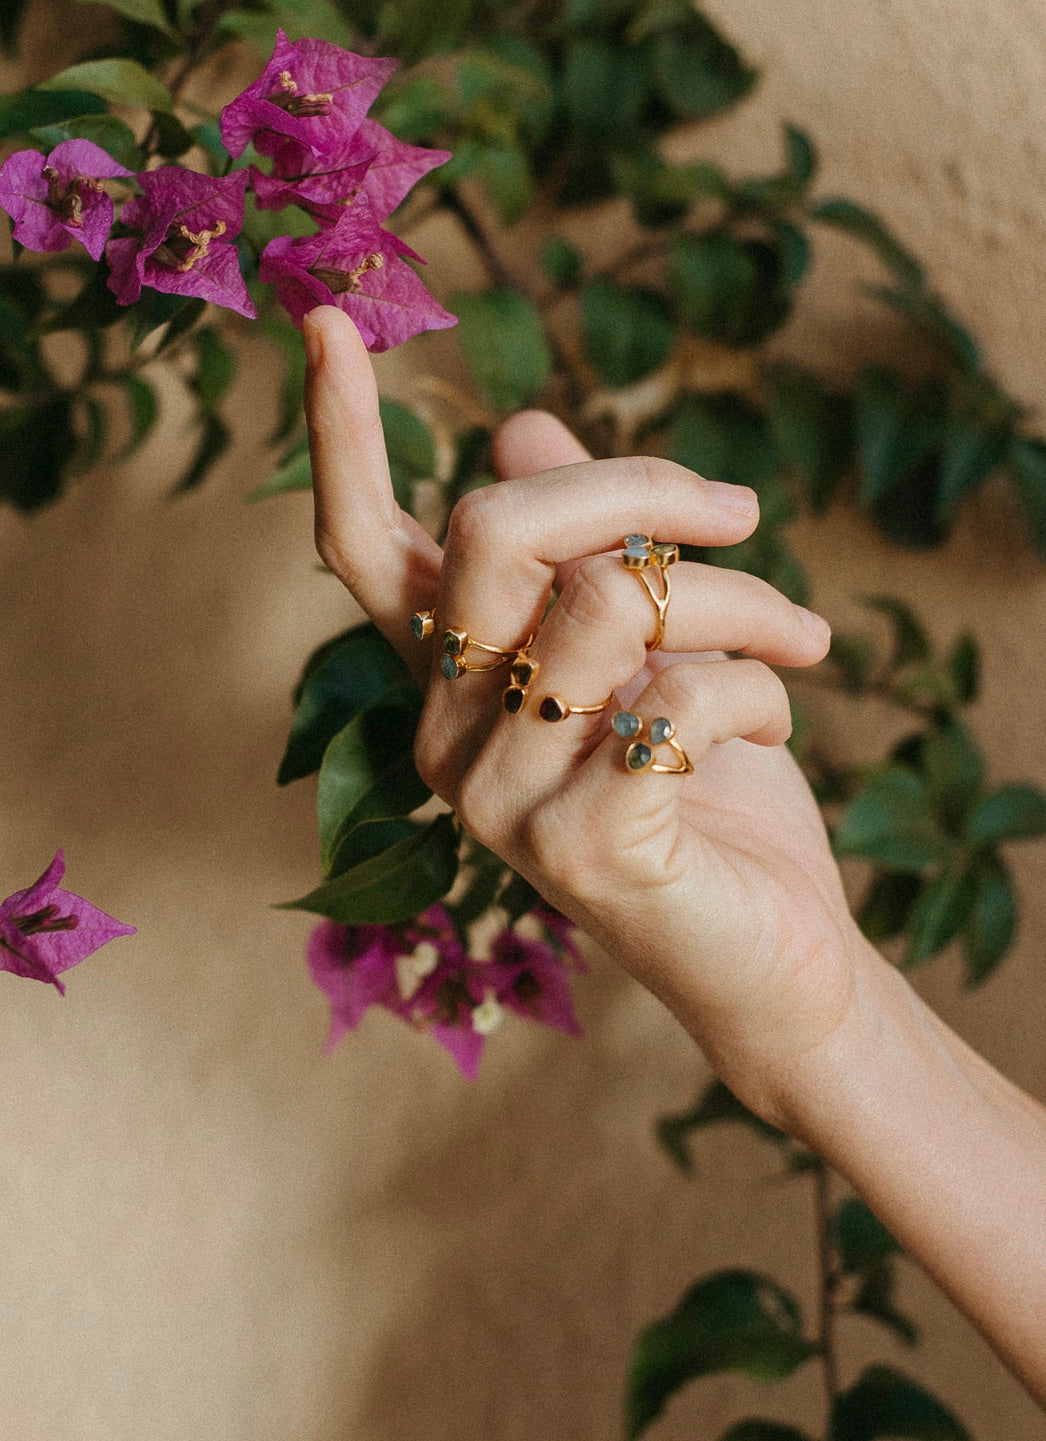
(640, 754)
(641, 556)
(422, 624)
(521, 676)
(555, 708)
(457, 644)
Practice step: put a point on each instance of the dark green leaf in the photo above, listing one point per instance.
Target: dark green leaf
(593, 72)
(410, 447)
(417, 109)
(1012, 812)
(855, 220)
(886, 909)
(368, 774)
(121, 82)
(954, 769)
(155, 308)
(973, 450)
(92, 439)
(715, 1105)
(730, 1321)
(697, 71)
(723, 437)
(885, 1404)
(860, 1237)
(504, 343)
(287, 340)
(355, 670)
(116, 138)
(939, 915)
(369, 839)
(172, 138)
(142, 12)
(936, 322)
(896, 430)
(506, 173)
(212, 445)
(215, 367)
(813, 428)
(854, 656)
(964, 668)
(911, 644)
(561, 262)
(874, 1299)
(518, 897)
(727, 289)
(487, 872)
(393, 886)
(1027, 462)
(24, 109)
(662, 194)
(38, 443)
(93, 308)
(294, 472)
(891, 822)
(144, 410)
(993, 918)
(801, 155)
(627, 333)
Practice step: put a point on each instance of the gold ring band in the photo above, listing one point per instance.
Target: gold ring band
(457, 643)
(555, 708)
(645, 558)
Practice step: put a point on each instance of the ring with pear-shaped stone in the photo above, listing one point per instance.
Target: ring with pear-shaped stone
(646, 558)
(639, 756)
(555, 708)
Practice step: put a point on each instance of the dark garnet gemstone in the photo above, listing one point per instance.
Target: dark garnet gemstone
(513, 699)
(552, 708)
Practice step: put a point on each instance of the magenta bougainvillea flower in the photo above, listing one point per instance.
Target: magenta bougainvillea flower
(312, 91)
(185, 224)
(371, 160)
(359, 267)
(420, 972)
(57, 198)
(45, 930)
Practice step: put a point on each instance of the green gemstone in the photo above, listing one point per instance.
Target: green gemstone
(661, 730)
(449, 667)
(453, 643)
(626, 724)
(638, 756)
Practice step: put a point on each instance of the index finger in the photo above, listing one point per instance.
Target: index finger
(380, 553)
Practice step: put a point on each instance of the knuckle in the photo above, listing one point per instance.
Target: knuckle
(593, 591)
(558, 851)
(474, 523)
(480, 808)
(431, 762)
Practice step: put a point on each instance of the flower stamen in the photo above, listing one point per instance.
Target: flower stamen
(287, 98)
(183, 247)
(340, 282)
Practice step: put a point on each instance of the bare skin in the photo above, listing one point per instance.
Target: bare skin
(716, 890)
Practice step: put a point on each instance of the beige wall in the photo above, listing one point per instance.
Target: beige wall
(207, 1228)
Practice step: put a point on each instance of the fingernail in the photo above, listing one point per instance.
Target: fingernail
(313, 340)
(815, 624)
(739, 499)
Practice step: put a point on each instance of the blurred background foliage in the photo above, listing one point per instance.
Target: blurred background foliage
(554, 110)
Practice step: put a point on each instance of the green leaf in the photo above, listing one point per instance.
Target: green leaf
(155, 308)
(715, 1105)
(95, 430)
(1012, 812)
(935, 322)
(993, 918)
(801, 155)
(172, 138)
(855, 220)
(215, 368)
(964, 668)
(731, 1321)
(885, 1404)
(763, 1431)
(813, 428)
(593, 72)
(891, 822)
(911, 644)
(954, 769)
(24, 109)
(38, 444)
(724, 438)
(1027, 463)
(886, 910)
(393, 886)
(561, 262)
(627, 332)
(294, 472)
(861, 1239)
(973, 450)
(410, 447)
(855, 658)
(121, 82)
(212, 445)
(727, 289)
(874, 1299)
(144, 410)
(504, 343)
(939, 915)
(287, 340)
(107, 131)
(343, 677)
(368, 774)
(894, 432)
(142, 12)
(696, 70)
(505, 171)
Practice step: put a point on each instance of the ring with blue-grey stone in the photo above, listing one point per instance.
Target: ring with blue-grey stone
(645, 558)
(422, 624)
(640, 754)
(457, 644)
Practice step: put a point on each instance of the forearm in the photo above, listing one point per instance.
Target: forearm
(948, 1153)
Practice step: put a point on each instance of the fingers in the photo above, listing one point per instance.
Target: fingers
(533, 441)
(380, 553)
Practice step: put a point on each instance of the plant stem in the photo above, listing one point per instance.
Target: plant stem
(198, 41)
(829, 1280)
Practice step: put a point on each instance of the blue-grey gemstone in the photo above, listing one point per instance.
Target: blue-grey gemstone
(637, 552)
(638, 756)
(631, 540)
(449, 667)
(661, 730)
(417, 627)
(626, 724)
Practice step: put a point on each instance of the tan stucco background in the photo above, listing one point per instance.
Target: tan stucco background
(209, 1228)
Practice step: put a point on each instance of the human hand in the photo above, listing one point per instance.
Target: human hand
(718, 889)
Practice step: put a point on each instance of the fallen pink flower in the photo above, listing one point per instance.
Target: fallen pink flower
(371, 160)
(45, 930)
(315, 92)
(359, 267)
(57, 198)
(529, 977)
(185, 226)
